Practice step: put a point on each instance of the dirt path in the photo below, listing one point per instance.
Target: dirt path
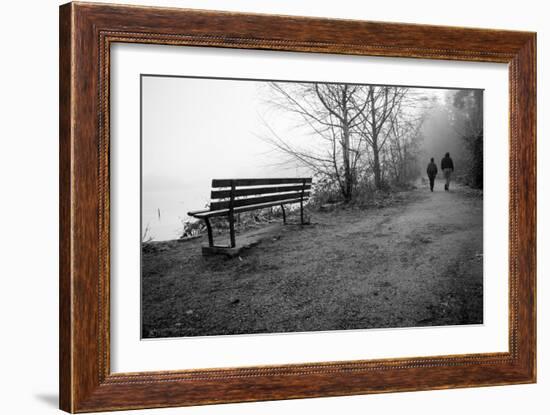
(418, 263)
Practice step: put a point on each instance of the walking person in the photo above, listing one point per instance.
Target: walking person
(432, 172)
(448, 167)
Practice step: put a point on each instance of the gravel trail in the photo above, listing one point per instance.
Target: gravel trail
(418, 262)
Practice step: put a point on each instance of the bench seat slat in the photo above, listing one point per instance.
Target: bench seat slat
(258, 182)
(257, 200)
(250, 191)
(249, 194)
(222, 212)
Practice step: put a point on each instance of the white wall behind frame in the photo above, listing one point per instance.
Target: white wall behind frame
(28, 166)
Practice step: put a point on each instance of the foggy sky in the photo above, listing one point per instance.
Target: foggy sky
(194, 130)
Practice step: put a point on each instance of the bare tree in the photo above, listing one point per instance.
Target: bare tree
(403, 148)
(405, 137)
(383, 103)
(334, 113)
(353, 124)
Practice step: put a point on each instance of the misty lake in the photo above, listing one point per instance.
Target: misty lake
(165, 210)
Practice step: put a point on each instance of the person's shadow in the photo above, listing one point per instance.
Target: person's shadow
(50, 399)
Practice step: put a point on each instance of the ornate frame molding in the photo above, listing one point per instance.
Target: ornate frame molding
(86, 33)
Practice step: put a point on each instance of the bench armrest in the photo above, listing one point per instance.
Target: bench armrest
(194, 213)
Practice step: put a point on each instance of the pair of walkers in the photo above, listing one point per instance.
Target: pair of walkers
(446, 165)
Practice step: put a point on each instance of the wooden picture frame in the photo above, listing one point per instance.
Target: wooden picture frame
(86, 33)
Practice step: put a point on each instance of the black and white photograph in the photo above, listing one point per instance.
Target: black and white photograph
(271, 206)
(275, 207)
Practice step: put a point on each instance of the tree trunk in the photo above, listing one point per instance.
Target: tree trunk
(348, 176)
(376, 168)
(375, 148)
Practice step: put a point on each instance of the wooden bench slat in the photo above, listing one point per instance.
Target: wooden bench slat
(258, 182)
(237, 199)
(257, 200)
(250, 191)
(242, 209)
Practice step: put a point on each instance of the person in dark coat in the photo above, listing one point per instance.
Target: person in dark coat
(432, 172)
(448, 167)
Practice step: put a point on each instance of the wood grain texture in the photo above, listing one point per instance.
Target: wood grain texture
(65, 247)
(258, 182)
(258, 200)
(251, 191)
(242, 209)
(86, 33)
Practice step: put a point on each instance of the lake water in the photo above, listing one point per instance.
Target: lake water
(165, 210)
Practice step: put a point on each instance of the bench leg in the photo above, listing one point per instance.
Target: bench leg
(209, 229)
(302, 211)
(284, 214)
(231, 215)
(232, 229)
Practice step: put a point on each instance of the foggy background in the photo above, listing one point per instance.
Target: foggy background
(195, 129)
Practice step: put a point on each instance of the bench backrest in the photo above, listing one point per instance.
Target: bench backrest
(232, 193)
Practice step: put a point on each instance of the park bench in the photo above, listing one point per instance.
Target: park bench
(233, 196)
